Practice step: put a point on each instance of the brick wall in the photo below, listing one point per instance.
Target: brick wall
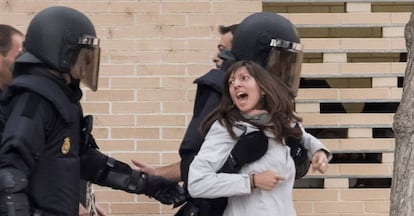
(153, 50)
(351, 86)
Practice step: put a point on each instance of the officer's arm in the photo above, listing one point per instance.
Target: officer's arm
(22, 142)
(106, 171)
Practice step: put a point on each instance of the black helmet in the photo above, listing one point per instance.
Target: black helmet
(55, 36)
(272, 41)
(253, 36)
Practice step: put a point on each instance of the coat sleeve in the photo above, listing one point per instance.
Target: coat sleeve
(313, 144)
(203, 181)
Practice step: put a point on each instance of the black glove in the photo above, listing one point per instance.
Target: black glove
(249, 148)
(13, 200)
(107, 171)
(14, 204)
(165, 191)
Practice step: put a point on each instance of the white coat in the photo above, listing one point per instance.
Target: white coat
(204, 182)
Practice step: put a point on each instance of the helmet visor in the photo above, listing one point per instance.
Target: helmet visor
(90, 55)
(285, 61)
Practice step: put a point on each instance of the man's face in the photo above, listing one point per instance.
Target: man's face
(86, 67)
(7, 61)
(224, 44)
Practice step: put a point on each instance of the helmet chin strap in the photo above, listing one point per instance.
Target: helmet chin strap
(74, 86)
(67, 77)
(73, 81)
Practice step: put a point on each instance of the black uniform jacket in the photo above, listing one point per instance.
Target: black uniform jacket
(209, 91)
(41, 138)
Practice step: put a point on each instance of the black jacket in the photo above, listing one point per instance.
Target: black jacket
(209, 91)
(41, 139)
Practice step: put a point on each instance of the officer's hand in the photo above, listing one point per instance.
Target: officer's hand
(249, 148)
(165, 191)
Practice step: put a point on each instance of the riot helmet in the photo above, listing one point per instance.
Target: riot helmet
(272, 41)
(57, 36)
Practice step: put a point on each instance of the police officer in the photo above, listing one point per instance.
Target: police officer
(272, 41)
(46, 145)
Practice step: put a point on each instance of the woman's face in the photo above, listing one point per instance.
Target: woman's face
(244, 91)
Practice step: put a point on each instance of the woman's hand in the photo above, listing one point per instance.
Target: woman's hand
(320, 162)
(266, 180)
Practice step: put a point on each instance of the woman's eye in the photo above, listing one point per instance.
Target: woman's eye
(231, 82)
(245, 77)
